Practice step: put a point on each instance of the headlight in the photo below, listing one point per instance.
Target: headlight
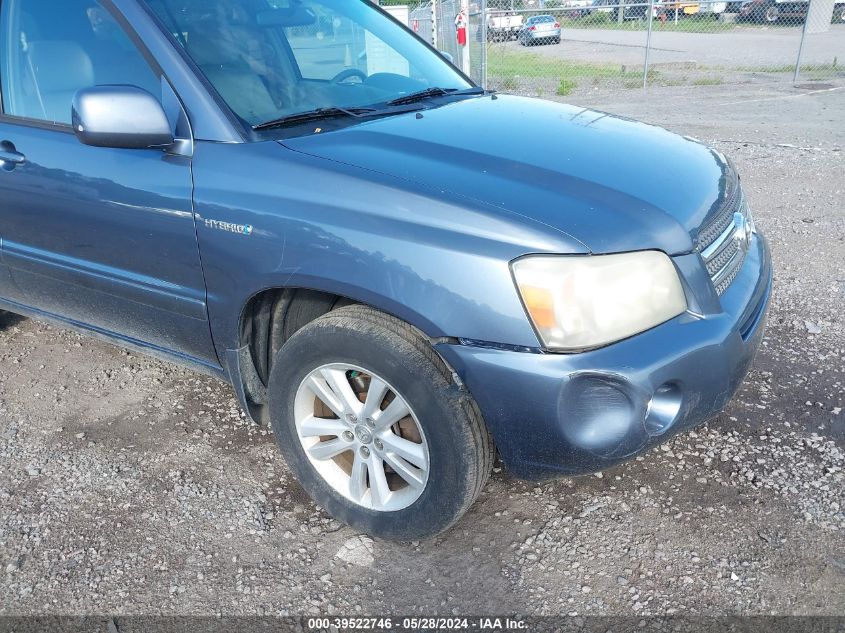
(585, 301)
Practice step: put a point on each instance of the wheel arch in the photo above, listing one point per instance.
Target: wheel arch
(270, 316)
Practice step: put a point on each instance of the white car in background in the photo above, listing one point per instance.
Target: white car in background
(503, 25)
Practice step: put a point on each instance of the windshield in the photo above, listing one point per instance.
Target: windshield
(270, 59)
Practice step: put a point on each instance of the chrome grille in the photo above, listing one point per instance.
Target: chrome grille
(710, 232)
(723, 242)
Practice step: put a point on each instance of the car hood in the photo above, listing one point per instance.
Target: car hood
(613, 184)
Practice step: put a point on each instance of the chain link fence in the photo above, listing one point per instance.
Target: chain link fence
(560, 47)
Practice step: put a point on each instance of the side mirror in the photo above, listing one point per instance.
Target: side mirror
(448, 57)
(120, 116)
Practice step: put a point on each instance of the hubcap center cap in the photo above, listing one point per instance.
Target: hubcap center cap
(364, 435)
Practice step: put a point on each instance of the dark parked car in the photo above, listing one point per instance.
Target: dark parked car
(610, 7)
(303, 199)
(776, 10)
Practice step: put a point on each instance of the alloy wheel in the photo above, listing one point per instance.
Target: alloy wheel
(362, 437)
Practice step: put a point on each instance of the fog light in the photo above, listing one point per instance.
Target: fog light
(598, 415)
(663, 409)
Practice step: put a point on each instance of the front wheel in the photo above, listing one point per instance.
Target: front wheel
(839, 13)
(771, 15)
(368, 418)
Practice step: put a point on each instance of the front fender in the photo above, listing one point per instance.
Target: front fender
(268, 217)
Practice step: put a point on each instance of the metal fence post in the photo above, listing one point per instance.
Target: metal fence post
(648, 42)
(801, 45)
(434, 23)
(465, 53)
(484, 44)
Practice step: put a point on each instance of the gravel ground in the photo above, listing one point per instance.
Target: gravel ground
(129, 486)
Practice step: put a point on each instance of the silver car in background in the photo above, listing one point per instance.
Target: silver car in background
(540, 29)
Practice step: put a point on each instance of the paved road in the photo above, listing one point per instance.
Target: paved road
(739, 47)
(129, 486)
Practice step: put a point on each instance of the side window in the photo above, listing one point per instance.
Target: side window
(50, 50)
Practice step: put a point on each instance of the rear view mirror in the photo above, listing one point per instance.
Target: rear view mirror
(293, 16)
(120, 116)
(447, 56)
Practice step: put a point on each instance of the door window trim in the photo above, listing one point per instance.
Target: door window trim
(246, 133)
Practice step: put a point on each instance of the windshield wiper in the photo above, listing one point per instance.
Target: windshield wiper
(434, 91)
(317, 114)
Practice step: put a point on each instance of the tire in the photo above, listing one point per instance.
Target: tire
(771, 14)
(839, 13)
(347, 343)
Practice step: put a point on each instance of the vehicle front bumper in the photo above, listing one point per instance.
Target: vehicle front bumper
(563, 414)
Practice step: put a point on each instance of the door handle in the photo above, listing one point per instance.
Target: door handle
(9, 156)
